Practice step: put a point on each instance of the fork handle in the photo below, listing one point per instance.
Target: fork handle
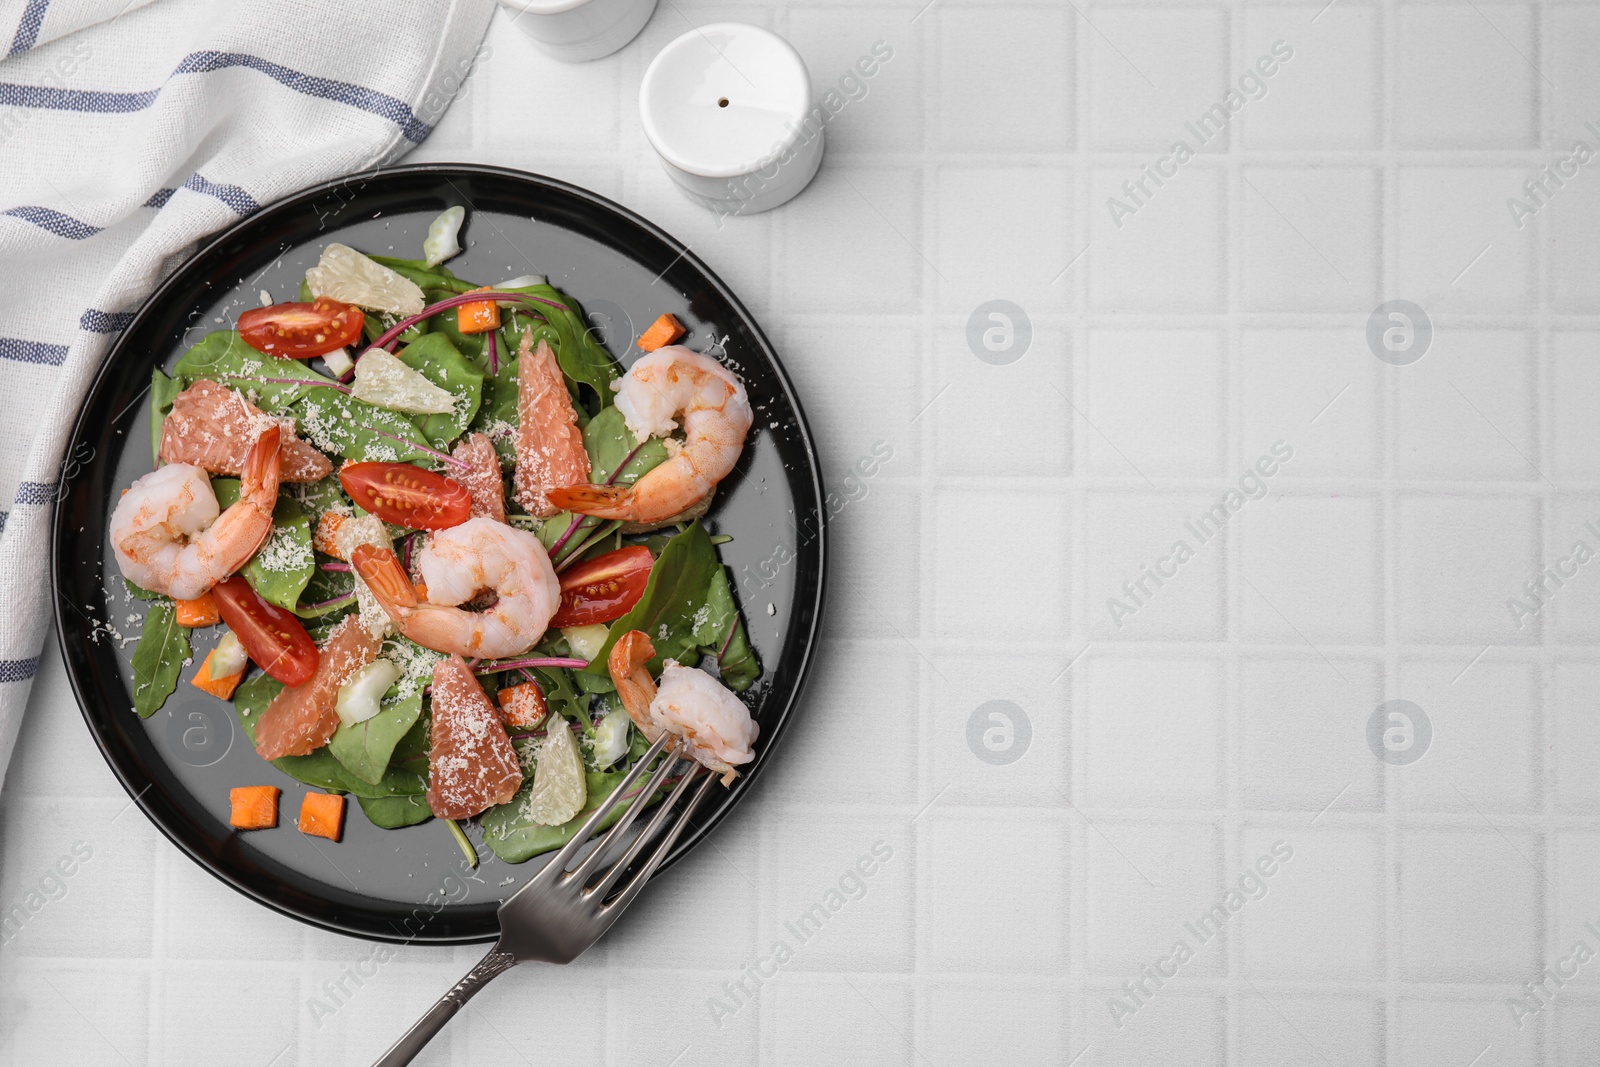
(405, 1050)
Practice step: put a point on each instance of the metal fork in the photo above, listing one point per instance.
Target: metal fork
(560, 913)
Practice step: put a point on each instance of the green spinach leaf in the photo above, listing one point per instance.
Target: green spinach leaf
(391, 813)
(435, 358)
(159, 657)
(270, 382)
(673, 599)
(583, 359)
(163, 391)
(514, 837)
(608, 441)
(364, 749)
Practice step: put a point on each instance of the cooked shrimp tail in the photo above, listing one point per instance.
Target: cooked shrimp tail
(626, 665)
(380, 569)
(601, 501)
(167, 533)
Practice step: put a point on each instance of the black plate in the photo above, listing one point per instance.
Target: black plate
(180, 763)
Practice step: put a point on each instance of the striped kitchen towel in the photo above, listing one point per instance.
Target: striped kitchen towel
(131, 129)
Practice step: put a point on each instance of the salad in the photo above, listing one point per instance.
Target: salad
(444, 555)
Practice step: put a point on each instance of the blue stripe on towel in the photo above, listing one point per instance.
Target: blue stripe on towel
(50, 219)
(357, 96)
(232, 195)
(97, 321)
(19, 351)
(35, 493)
(159, 198)
(28, 28)
(18, 670)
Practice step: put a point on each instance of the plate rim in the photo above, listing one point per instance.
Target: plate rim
(116, 353)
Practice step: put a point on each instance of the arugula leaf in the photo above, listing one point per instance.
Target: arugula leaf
(319, 768)
(391, 813)
(441, 362)
(364, 749)
(163, 647)
(163, 391)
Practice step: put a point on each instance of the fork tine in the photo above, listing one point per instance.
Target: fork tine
(564, 857)
(613, 835)
(638, 881)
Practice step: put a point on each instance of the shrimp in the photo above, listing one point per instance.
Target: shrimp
(549, 445)
(456, 565)
(716, 416)
(169, 535)
(713, 726)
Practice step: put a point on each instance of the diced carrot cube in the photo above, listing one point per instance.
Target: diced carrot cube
(221, 688)
(322, 815)
(523, 706)
(326, 539)
(202, 611)
(479, 316)
(663, 331)
(255, 807)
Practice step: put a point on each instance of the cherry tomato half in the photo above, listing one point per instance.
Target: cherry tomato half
(300, 331)
(271, 636)
(407, 496)
(604, 588)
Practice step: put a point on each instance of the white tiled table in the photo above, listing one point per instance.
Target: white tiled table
(1227, 312)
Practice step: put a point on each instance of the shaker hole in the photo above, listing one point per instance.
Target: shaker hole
(722, 102)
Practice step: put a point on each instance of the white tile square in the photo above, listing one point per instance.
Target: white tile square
(1468, 79)
(1459, 559)
(1288, 1031)
(972, 1020)
(1569, 602)
(1003, 232)
(1335, 74)
(205, 919)
(1156, 1030)
(1151, 731)
(1169, 254)
(975, 872)
(866, 415)
(1568, 27)
(1468, 409)
(839, 889)
(1577, 854)
(1322, 913)
(650, 1017)
(1153, 69)
(1299, 732)
(978, 591)
(1574, 696)
(1310, 238)
(810, 1020)
(1311, 568)
(1003, 78)
(1485, 747)
(868, 692)
(1577, 1028)
(1567, 214)
(1574, 381)
(1130, 537)
(213, 992)
(1431, 1031)
(1021, 411)
(1142, 883)
(853, 242)
(1032, 731)
(580, 1002)
(1470, 905)
(1318, 392)
(584, 104)
(1153, 403)
(43, 1002)
(1455, 248)
(883, 597)
(863, 53)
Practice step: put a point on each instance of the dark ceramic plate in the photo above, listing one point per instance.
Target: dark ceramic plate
(180, 763)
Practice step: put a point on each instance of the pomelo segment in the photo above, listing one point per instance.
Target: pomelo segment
(471, 765)
(213, 427)
(300, 720)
